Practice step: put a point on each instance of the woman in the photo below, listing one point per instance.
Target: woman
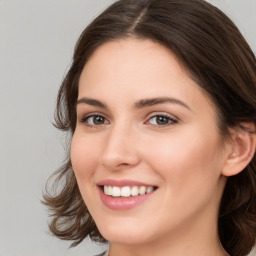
(160, 102)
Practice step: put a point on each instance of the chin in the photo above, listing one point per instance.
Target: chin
(125, 234)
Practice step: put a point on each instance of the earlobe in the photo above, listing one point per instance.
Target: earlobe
(242, 149)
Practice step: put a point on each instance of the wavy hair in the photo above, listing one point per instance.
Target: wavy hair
(217, 57)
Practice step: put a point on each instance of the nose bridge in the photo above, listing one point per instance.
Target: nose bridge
(120, 147)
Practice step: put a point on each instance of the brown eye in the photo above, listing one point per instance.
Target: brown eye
(98, 120)
(161, 120)
(95, 120)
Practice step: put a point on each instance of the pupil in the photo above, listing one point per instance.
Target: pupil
(98, 120)
(162, 120)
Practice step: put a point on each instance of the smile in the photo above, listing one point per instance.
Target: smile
(127, 191)
(124, 194)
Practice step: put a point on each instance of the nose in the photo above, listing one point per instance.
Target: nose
(119, 151)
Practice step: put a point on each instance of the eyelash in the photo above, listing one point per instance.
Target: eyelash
(170, 120)
(86, 118)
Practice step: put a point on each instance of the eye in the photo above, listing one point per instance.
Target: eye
(161, 120)
(94, 120)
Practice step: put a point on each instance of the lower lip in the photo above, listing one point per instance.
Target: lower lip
(123, 203)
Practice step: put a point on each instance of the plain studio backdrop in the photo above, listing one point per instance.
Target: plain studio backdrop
(37, 38)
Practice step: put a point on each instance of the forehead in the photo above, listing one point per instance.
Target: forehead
(131, 59)
(132, 68)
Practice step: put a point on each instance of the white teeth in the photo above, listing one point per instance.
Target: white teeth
(116, 191)
(127, 191)
(105, 188)
(135, 191)
(142, 190)
(108, 190)
(149, 189)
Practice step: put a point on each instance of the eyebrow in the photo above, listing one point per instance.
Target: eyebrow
(155, 101)
(91, 102)
(138, 104)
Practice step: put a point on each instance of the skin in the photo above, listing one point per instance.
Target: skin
(184, 157)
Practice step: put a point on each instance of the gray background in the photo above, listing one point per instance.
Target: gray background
(36, 43)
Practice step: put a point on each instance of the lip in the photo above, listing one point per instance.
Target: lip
(122, 183)
(123, 203)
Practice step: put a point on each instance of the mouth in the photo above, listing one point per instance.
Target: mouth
(127, 191)
(125, 194)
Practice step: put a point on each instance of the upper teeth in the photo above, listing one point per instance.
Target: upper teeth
(127, 191)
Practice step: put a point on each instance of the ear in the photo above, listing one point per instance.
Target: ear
(241, 149)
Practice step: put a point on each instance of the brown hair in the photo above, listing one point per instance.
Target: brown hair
(216, 56)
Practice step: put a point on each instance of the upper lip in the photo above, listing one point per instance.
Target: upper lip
(122, 183)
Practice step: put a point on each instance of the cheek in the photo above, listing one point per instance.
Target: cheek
(185, 159)
(189, 171)
(83, 155)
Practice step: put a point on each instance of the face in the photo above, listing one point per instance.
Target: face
(146, 151)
